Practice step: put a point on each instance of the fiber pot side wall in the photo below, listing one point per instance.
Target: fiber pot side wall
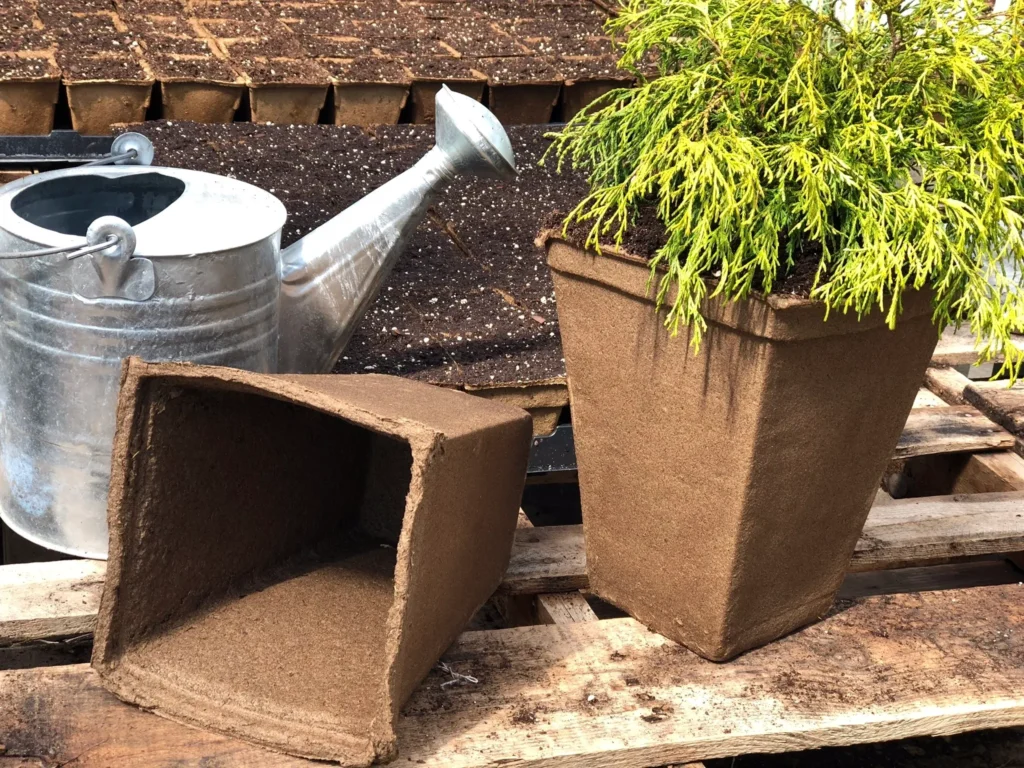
(283, 566)
(723, 492)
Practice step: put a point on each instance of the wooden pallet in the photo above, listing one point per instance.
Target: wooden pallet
(927, 639)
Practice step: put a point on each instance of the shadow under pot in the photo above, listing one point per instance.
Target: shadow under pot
(723, 492)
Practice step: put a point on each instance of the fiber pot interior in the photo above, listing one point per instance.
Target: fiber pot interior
(264, 537)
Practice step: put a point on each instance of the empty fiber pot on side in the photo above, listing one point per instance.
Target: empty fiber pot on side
(290, 555)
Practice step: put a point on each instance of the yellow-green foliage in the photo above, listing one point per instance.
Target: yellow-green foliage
(892, 140)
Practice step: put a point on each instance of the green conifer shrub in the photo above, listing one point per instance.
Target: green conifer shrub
(888, 143)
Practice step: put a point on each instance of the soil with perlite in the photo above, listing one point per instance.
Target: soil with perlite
(470, 301)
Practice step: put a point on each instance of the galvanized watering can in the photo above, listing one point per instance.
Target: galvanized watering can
(108, 261)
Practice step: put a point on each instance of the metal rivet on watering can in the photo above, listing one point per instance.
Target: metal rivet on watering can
(112, 273)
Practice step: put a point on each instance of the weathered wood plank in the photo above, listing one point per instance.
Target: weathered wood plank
(564, 608)
(898, 533)
(925, 398)
(964, 574)
(955, 428)
(957, 347)
(990, 473)
(547, 559)
(45, 600)
(1001, 403)
(48, 600)
(611, 694)
(547, 608)
(917, 531)
(62, 715)
(946, 382)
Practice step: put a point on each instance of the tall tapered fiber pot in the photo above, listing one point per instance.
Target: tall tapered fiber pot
(724, 491)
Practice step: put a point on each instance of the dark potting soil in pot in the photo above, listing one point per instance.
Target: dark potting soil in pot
(88, 29)
(190, 46)
(59, 12)
(222, 10)
(321, 46)
(442, 68)
(290, 71)
(409, 47)
(233, 29)
(446, 11)
(533, 9)
(134, 8)
(27, 40)
(330, 14)
(590, 68)
(367, 69)
(647, 234)
(267, 46)
(92, 36)
(568, 38)
(113, 67)
(476, 37)
(195, 69)
(158, 25)
(471, 300)
(27, 68)
(517, 70)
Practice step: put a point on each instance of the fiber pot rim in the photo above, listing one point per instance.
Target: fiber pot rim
(776, 317)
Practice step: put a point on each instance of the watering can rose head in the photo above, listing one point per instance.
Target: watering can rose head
(880, 139)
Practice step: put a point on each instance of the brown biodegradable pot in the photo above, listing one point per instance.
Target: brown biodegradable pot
(723, 492)
(424, 91)
(97, 105)
(27, 107)
(523, 104)
(367, 104)
(289, 555)
(287, 103)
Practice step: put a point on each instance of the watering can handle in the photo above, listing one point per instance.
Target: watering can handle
(127, 149)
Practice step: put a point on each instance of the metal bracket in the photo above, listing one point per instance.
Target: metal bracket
(112, 273)
(138, 148)
(553, 453)
(58, 150)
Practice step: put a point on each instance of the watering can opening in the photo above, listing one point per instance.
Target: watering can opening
(70, 204)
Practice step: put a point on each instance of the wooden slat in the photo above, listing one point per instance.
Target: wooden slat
(925, 398)
(958, 347)
(965, 574)
(948, 383)
(916, 531)
(990, 472)
(898, 533)
(1003, 404)
(953, 429)
(43, 600)
(612, 694)
(48, 600)
(547, 608)
(547, 559)
(564, 608)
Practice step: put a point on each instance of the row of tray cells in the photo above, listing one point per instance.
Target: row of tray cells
(349, 61)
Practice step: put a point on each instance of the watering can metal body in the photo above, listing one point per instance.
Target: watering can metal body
(194, 272)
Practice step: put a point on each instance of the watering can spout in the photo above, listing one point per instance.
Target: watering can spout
(331, 276)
